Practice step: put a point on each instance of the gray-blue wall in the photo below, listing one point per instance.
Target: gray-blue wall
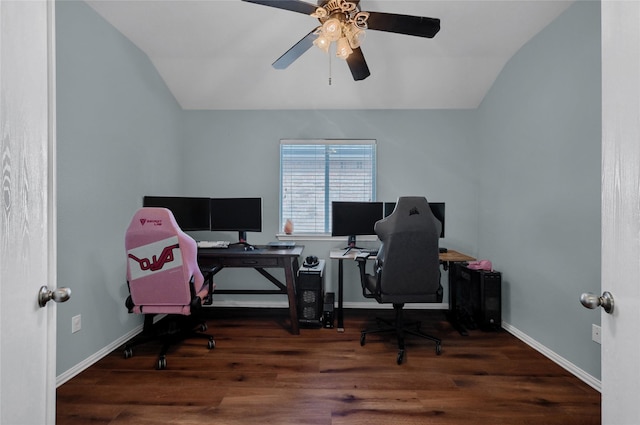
(539, 213)
(500, 169)
(118, 136)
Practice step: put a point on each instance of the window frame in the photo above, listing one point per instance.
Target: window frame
(326, 142)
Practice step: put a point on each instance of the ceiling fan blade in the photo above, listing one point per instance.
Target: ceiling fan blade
(296, 51)
(292, 5)
(358, 65)
(403, 24)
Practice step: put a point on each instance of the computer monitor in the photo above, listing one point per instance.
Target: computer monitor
(354, 219)
(240, 215)
(437, 208)
(388, 208)
(190, 213)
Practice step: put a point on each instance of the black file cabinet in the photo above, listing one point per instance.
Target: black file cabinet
(310, 295)
(478, 301)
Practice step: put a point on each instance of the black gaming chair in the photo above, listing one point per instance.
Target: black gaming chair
(407, 268)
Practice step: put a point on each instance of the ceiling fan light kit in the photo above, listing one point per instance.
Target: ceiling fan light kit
(343, 50)
(342, 22)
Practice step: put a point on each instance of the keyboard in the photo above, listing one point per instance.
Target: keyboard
(213, 244)
(371, 251)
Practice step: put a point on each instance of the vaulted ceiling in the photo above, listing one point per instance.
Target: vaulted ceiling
(217, 54)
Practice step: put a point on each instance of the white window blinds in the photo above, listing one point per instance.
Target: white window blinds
(313, 173)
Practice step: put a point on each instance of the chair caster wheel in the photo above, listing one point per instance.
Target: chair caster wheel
(438, 349)
(162, 363)
(128, 353)
(211, 344)
(400, 358)
(363, 337)
(203, 327)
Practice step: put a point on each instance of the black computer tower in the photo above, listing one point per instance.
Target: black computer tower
(479, 298)
(310, 295)
(327, 313)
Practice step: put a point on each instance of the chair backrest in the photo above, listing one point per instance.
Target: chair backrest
(409, 253)
(161, 263)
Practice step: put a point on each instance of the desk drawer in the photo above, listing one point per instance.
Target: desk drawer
(249, 262)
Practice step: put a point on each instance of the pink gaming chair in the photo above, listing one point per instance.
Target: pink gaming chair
(164, 278)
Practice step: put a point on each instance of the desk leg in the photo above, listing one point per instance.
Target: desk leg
(340, 296)
(291, 293)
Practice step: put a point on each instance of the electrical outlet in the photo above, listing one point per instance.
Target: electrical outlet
(596, 334)
(76, 323)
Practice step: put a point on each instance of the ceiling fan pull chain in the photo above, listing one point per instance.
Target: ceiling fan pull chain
(330, 69)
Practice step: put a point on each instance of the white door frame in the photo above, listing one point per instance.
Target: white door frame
(52, 208)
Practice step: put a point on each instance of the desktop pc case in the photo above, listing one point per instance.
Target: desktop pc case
(310, 295)
(480, 298)
(327, 314)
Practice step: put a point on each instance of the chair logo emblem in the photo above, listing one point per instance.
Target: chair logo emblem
(143, 221)
(156, 263)
(414, 211)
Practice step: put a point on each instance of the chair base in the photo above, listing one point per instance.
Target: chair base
(400, 329)
(177, 330)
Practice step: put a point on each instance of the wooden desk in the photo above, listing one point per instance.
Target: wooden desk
(212, 260)
(454, 257)
(446, 258)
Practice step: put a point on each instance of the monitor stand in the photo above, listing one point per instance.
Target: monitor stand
(351, 244)
(242, 242)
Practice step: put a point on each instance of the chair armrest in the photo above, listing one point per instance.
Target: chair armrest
(362, 256)
(362, 265)
(364, 277)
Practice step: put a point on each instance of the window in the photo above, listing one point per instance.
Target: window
(313, 173)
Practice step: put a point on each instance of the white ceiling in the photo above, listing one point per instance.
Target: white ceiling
(217, 54)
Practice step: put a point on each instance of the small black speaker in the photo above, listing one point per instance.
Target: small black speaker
(310, 294)
(327, 313)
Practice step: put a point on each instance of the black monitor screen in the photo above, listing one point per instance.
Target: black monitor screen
(190, 213)
(354, 218)
(388, 208)
(437, 208)
(236, 214)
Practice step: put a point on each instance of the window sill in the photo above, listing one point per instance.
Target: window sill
(319, 237)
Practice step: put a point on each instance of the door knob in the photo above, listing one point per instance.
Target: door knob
(58, 295)
(592, 301)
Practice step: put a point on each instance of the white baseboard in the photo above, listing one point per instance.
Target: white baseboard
(86, 363)
(412, 306)
(249, 304)
(588, 379)
(355, 305)
(65, 376)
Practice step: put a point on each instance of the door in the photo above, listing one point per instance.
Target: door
(620, 211)
(27, 219)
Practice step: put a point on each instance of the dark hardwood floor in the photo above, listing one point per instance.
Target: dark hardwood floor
(261, 374)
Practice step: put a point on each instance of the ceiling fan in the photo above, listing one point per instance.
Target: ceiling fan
(342, 22)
